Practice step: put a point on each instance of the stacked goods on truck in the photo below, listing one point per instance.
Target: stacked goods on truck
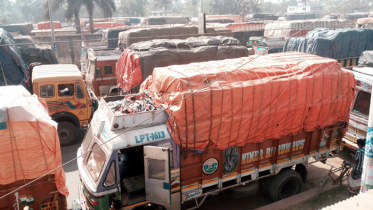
(220, 20)
(106, 25)
(345, 45)
(29, 149)
(236, 18)
(261, 118)
(129, 37)
(166, 20)
(31, 53)
(19, 28)
(13, 70)
(257, 16)
(364, 22)
(138, 62)
(297, 28)
(47, 25)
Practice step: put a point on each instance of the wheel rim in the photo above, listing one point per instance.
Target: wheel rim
(289, 188)
(64, 134)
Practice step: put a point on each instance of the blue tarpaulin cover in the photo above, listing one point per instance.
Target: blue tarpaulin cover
(333, 43)
(12, 66)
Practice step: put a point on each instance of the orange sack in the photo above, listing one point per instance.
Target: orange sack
(255, 98)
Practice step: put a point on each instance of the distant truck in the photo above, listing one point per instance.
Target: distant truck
(266, 45)
(70, 103)
(101, 77)
(141, 165)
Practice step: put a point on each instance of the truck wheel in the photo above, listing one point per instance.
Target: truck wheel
(285, 184)
(243, 191)
(263, 184)
(67, 133)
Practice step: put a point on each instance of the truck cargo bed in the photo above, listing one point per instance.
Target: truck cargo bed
(123, 121)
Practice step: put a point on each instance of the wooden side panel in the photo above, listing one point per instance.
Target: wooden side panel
(259, 156)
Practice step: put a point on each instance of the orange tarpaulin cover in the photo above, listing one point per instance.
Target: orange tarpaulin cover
(29, 140)
(267, 97)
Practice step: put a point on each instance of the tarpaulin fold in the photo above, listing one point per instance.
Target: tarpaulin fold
(254, 99)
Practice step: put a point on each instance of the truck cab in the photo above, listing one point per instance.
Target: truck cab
(139, 168)
(266, 45)
(358, 123)
(69, 102)
(101, 75)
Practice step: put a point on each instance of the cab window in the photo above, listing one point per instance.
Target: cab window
(47, 91)
(362, 103)
(79, 91)
(65, 90)
(96, 161)
(98, 71)
(108, 69)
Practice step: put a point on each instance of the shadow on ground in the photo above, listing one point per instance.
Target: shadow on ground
(69, 153)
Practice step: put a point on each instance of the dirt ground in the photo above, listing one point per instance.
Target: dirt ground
(327, 198)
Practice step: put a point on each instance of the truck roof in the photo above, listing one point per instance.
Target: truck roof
(56, 73)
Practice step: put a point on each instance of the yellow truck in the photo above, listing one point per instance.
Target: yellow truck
(69, 101)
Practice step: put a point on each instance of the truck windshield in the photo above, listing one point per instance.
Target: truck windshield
(362, 103)
(96, 161)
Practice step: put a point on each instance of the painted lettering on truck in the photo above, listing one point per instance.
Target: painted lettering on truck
(270, 151)
(150, 136)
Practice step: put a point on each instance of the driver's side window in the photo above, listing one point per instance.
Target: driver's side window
(65, 90)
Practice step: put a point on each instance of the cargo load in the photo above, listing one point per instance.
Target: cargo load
(297, 28)
(236, 18)
(365, 22)
(137, 63)
(29, 149)
(366, 59)
(129, 37)
(42, 55)
(106, 25)
(265, 97)
(333, 43)
(13, 70)
(20, 28)
(167, 20)
(47, 25)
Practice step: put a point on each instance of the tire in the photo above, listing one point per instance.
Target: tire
(264, 185)
(67, 133)
(285, 184)
(244, 191)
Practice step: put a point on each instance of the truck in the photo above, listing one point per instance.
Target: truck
(358, 123)
(101, 75)
(266, 45)
(142, 160)
(69, 102)
(29, 150)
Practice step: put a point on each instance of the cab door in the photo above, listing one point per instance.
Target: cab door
(82, 103)
(157, 175)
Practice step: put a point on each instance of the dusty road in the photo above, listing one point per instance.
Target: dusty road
(316, 172)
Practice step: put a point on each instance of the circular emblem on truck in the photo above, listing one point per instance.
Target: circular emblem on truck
(210, 166)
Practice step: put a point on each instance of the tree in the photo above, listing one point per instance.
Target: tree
(164, 4)
(132, 8)
(241, 7)
(73, 7)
